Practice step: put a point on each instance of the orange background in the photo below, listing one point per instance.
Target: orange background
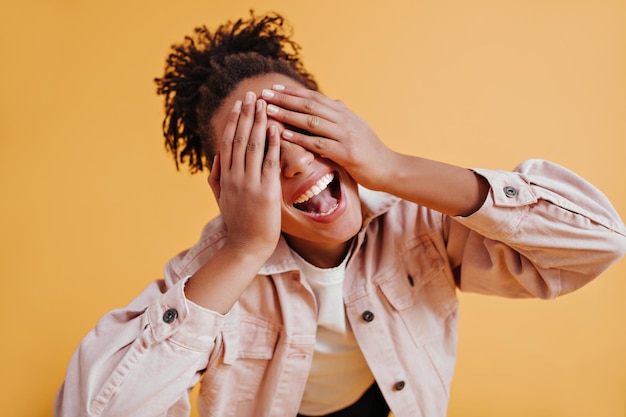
(92, 207)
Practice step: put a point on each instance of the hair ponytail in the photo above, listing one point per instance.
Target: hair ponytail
(202, 70)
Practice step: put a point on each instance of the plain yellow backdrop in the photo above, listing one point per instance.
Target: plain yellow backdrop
(92, 207)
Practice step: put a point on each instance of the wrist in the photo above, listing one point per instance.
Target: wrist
(220, 281)
(251, 254)
(387, 174)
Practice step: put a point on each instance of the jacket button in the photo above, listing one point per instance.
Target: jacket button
(367, 315)
(510, 191)
(170, 315)
(399, 386)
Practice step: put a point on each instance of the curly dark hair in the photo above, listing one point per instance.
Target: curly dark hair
(205, 68)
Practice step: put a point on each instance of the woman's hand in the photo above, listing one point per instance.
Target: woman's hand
(338, 134)
(246, 180)
(334, 132)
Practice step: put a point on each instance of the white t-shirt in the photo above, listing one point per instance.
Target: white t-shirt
(339, 374)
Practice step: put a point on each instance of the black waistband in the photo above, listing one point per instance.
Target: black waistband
(371, 404)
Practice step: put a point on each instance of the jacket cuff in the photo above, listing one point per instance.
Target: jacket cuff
(504, 208)
(183, 322)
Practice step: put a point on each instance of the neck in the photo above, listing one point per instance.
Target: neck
(322, 255)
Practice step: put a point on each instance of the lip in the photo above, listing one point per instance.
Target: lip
(341, 204)
(310, 183)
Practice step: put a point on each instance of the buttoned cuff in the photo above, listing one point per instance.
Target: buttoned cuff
(185, 323)
(504, 208)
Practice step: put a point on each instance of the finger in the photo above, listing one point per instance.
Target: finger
(312, 123)
(226, 145)
(256, 143)
(271, 162)
(311, 103)
(242, 133)
(214, 177)
(280, 92)
(324, 147)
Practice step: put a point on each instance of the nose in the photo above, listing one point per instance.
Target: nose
(294, 159)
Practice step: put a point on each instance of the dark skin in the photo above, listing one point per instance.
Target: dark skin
(251, 184)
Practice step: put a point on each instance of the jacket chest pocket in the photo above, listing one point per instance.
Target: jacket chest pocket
(247, 351)
(420, 291)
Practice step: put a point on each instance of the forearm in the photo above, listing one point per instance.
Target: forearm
(442, 187)
(220, 281)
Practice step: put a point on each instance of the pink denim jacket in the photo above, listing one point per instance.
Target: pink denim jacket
(542, 232)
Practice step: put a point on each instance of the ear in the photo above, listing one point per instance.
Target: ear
(214, 178)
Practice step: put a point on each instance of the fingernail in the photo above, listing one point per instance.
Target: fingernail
(259, 105)
(278, 87)
(267, 93)
(249, 97)
(271, 109)
(287, 134)
(237, 106)
(272, 130)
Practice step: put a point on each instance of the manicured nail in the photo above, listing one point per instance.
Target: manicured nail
(287, 134)
(249, 97)
(267, 93)
(237, 106)
(278, 87)
(259, 105)
(271, 109)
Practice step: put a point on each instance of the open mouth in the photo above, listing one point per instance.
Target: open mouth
(321, 199)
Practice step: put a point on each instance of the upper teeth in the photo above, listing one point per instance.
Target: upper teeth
(319, 186)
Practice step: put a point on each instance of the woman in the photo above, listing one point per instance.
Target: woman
(327, 286)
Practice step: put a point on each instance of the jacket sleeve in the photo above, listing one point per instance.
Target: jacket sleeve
(141, 360)
(543, 231)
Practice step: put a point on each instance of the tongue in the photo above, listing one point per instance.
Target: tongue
(321, 203)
